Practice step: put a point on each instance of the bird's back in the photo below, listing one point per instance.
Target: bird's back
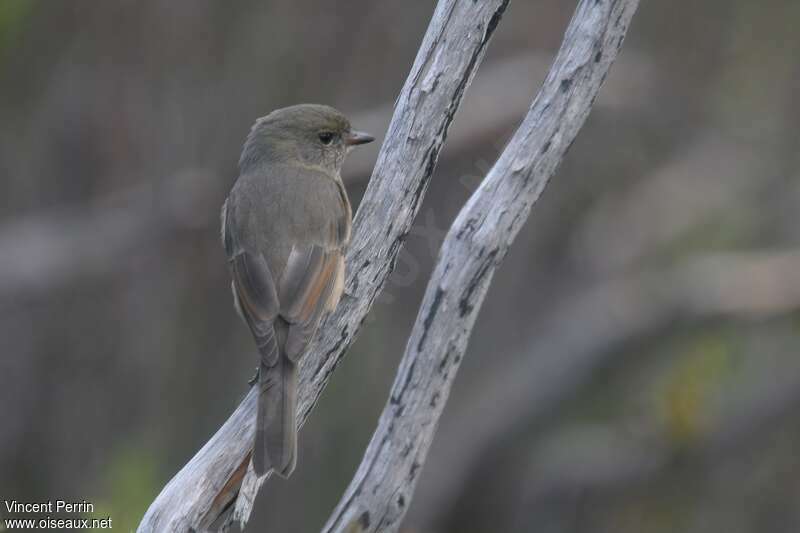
(271, 210)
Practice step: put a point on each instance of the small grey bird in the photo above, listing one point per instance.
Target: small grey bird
(285, 226)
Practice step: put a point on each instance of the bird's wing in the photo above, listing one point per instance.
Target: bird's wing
(308, 278)
(312, 279)
(254, 288)
(306, 288)
(307, 285)
(257, 299)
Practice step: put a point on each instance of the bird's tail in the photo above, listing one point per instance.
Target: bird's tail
(276, 430)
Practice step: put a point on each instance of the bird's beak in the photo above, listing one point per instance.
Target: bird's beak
(356, 137)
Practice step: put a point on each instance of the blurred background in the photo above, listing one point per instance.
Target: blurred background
(635, 367)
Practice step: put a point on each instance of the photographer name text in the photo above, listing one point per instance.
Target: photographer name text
(49, 508)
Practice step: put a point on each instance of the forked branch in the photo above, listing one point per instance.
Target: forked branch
(381, 490)
(218, 479)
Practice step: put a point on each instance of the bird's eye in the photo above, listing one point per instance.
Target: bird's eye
(326, 137)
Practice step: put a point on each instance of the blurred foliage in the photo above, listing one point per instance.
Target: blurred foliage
(129, 482)
(13, 16)
(699, 370)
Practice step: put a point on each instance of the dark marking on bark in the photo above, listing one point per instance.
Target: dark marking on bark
(494, 21)
(357, 275)
(443, 364)
(333, 349)
(389, 432)
(406, 450)
(412, 473)
(566, 83)
(393, 253)
(515, 220)
(464, 304)
(363, 520)
(399, 397)
(469, 226)
(426, 324)
(430, 164)
(435, 399)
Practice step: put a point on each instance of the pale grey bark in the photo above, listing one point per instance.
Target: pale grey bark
(202, 494)
(381, 490)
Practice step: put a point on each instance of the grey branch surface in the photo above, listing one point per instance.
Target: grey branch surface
(380, 492)
(202, 495)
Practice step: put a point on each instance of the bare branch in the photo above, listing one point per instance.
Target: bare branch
(202, 494)
(381, 490)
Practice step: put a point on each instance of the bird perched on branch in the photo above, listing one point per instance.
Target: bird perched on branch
(285, 226)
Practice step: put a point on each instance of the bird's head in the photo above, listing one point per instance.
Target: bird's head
(311, 135)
